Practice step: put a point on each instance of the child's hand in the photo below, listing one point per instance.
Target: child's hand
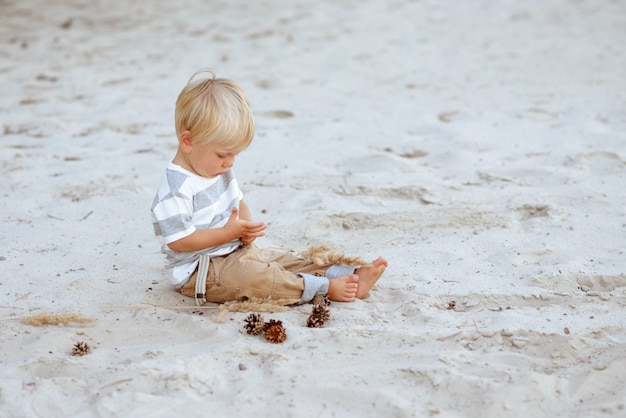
(247, 240)
(246, 231)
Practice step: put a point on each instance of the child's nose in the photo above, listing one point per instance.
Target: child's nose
(229, 162)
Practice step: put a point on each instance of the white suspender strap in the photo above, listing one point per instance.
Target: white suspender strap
(203, 271)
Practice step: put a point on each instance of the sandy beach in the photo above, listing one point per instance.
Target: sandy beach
(479, 146)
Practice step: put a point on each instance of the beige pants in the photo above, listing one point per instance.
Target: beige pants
(251, 272)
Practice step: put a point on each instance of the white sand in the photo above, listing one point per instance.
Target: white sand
(479, 146)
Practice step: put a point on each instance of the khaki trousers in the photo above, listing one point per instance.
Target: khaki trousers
(250, 272)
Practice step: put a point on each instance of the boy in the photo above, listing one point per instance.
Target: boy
(205, 227)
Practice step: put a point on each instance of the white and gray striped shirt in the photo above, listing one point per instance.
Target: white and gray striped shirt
(186, 202)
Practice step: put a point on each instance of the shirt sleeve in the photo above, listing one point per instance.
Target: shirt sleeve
(172, 214)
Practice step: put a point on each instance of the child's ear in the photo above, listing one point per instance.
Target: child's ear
(185, 141)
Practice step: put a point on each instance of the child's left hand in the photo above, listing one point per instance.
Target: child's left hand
(249, 234)
(243, 228)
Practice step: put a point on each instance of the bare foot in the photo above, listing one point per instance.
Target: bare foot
(369, 275)
(344, 288)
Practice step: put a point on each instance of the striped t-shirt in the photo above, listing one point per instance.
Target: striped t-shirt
(186, 202)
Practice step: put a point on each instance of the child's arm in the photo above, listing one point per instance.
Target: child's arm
(238, 226)
(244, 212)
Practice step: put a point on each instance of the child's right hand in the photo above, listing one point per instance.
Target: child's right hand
(246, 230)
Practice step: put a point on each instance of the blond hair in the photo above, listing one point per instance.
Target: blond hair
(215, 110)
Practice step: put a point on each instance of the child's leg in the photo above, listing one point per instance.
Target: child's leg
(352, 283)
(250, 272)
(291, 262)
(245, 274)
(240, 276)
(342, 284)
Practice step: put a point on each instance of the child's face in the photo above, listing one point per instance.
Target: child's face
(210, 160)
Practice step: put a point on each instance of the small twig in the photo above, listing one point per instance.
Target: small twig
(151, 305)
(116, 383)
(86, 216)
(449, 336)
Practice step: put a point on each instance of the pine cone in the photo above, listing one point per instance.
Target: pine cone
(80, 349)
(254, 324)
(321, 300)
(270, 323)
(315, 321)
(275, 333)
(322, 312)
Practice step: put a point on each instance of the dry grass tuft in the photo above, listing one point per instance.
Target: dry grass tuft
(255, 305)
(324, 255)
(51, 319)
